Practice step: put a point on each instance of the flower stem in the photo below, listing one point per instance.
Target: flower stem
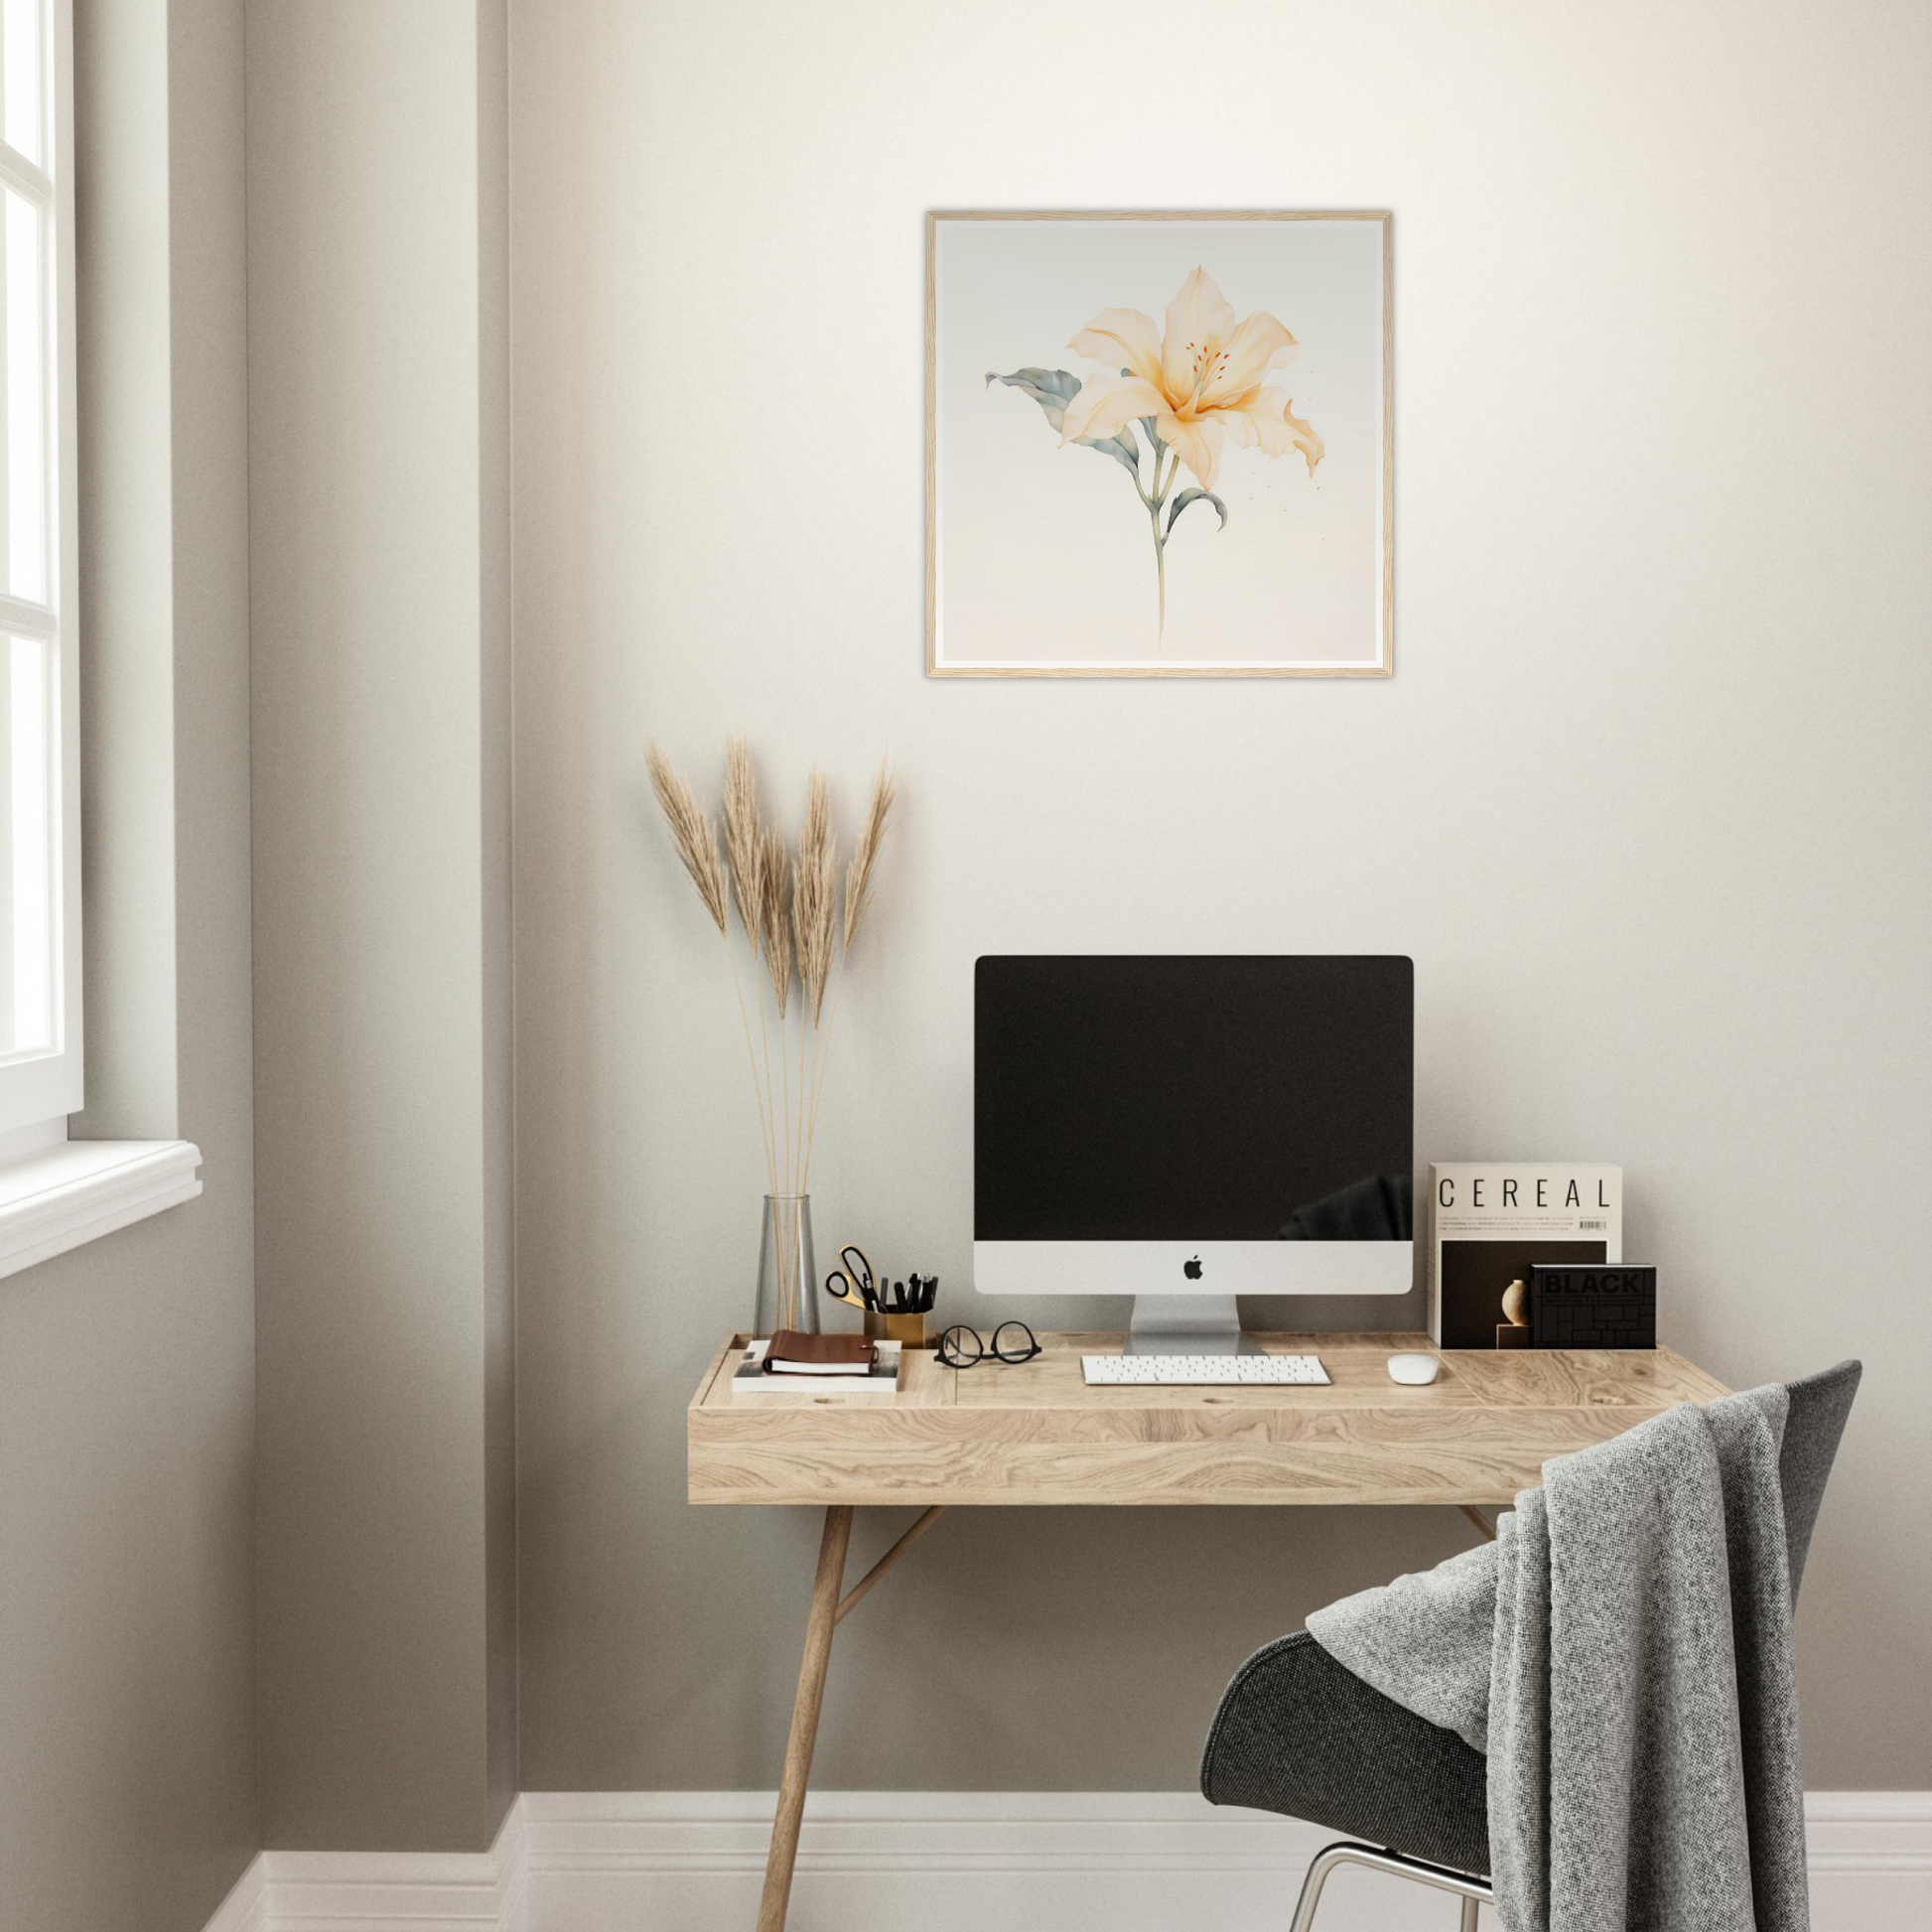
(1153, 508)
(1160, 565)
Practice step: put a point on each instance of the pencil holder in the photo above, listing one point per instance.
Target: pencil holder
(906, 1328)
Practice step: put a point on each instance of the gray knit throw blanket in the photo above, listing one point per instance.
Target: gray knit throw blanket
(1622, 1652)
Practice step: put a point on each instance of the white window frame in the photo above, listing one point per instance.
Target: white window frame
(38, 1089)
(57, 1192)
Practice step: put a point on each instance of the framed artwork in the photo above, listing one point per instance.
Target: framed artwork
(1159, 445)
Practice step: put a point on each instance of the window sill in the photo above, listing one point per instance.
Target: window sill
(79, 1190)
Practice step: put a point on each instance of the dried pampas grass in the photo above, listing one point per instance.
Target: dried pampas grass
(865, 851)
(743, 847)
(691, 832)
(814, 895)
(774, 917)
(788, 909)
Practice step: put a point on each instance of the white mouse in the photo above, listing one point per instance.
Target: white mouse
(1415, 1369)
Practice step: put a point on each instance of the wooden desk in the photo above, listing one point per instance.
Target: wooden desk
(1032, 1434)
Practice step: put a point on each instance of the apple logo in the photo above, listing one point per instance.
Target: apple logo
(1192, 1269)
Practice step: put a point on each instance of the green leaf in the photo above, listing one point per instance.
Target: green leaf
(1187, 496)
(1053, 389)
(1122, 448)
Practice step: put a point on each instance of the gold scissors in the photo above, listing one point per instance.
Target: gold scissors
(853, 1282)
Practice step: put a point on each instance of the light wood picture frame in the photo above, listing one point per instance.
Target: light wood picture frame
(1265, 396)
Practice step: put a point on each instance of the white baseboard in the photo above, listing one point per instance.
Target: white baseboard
(953, 1862)
(245, 1909)
(384, 1892)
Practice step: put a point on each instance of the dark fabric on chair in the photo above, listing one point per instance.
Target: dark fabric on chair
(1299, 1733)
(1303, 1735)
(1818, 1407)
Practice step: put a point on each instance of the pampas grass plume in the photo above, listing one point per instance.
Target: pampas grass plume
(865, 852)
(814, 895)
(774, 920)
(691, 833)
(744, 840)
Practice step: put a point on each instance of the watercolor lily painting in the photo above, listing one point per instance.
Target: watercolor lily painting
(1191, 390)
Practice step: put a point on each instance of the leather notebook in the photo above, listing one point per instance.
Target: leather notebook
(793, 1353)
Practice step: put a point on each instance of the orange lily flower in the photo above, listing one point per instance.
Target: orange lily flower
(1202, 382)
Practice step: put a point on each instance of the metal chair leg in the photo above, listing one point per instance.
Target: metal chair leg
(1324, 1862)
(1472, 1890)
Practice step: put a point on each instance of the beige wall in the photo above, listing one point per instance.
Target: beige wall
(127, 1787)
(379, 507)
(1647, 798)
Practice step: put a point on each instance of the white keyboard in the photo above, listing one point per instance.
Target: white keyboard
(1201, 1371)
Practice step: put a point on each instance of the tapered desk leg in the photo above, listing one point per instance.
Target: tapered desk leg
(804, 1718)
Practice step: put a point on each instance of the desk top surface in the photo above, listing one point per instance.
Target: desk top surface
(1034, 1434)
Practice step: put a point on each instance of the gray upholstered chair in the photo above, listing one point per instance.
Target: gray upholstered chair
(1299, 1734)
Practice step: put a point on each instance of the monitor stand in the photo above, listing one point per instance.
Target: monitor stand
(1186, 1325)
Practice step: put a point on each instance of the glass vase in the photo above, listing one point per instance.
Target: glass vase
(788, 1273)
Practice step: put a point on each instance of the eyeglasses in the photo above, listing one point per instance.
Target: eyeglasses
(1013, 1341)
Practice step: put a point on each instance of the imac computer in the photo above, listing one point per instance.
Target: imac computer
(1184, 1130)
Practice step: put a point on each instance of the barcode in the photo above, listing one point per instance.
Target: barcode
(1593, 1224)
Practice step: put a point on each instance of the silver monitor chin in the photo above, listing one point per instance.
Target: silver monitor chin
(1184, 1296)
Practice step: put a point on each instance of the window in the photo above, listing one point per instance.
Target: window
(55, 1194)
(40, 845)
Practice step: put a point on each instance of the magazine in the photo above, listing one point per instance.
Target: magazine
(1490, 1221)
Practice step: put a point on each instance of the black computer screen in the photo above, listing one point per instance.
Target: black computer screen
(1219, 1098)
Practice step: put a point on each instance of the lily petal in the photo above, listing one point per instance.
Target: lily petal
(1196, 441)
(1117, 336)
(1106, 404)
(1198, 315)
(1265, 419)
(1257, 345)
(1235, 415)
(1281, 430)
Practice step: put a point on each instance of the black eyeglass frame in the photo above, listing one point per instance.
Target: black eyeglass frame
(951, 1357)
